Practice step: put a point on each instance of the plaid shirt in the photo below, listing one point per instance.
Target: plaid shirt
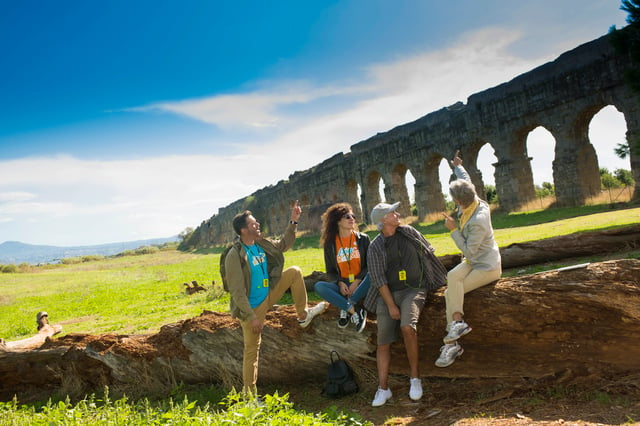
(435, 272)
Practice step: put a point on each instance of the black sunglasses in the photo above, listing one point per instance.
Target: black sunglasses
(349, 216)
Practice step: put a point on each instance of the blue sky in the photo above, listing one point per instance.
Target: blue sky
(124, 120)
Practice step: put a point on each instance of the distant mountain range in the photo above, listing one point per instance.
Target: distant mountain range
(16, 252)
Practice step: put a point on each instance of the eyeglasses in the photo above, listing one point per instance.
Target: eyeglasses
(349, 216)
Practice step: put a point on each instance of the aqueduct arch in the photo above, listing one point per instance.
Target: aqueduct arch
(562, 96)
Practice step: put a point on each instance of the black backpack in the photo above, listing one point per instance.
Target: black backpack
(340, 379)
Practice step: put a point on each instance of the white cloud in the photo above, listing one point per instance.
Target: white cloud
(252, 110)
(16, 196)
(105, 201)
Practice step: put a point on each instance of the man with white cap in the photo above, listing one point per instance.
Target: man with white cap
(402, 269)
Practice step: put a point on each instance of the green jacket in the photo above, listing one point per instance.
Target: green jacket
(239, 274)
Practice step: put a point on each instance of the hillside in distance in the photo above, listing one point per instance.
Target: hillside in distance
(16, 252)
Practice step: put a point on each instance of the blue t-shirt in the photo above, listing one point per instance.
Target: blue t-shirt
(259, 274)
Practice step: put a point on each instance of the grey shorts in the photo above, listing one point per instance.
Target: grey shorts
(410, 301)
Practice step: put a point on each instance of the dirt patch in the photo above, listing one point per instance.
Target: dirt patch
(581, 401)
(6, 300)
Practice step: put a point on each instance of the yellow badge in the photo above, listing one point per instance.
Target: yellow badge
(402, 275)
(265, 282)
(351, 278)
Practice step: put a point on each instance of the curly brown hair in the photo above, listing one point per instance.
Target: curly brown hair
(330, 219)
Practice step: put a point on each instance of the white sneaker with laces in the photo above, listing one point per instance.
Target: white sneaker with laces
(415, 391)
(312, 313)
(359, 319)
(456, 330)
(381, 398)
(448, 354)
(343, 320)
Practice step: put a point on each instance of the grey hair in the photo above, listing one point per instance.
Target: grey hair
(462, 191)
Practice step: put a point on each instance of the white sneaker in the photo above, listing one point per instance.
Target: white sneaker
(359, 319)
(448, 354)
(382, 396)
(312, 313)
(456, 330)
(343, 320)
(415, 391)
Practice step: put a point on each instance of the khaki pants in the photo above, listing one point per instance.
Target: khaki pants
(291, 279)
(461, 280)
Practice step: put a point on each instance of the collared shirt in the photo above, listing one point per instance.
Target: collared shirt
(435, 272)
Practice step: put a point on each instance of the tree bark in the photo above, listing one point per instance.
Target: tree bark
(563, 247)
(583, 321)
(570, 246)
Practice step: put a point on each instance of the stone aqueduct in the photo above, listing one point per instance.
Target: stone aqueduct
(562, 96)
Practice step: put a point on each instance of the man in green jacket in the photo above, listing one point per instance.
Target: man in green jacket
(257, 281)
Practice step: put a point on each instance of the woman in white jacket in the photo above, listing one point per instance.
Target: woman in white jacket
(481, 263)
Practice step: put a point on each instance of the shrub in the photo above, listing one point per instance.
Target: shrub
(92, 258)
(147, 250)
(547, 189)
(491, 194)
(607, 180)
(9, 269)
(624, 176)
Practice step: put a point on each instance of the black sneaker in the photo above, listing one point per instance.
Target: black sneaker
(343, 321)
(359, 319)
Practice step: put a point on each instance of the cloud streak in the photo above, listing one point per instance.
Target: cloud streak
(254, 110)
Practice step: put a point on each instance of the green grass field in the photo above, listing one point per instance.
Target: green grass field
(139, 294)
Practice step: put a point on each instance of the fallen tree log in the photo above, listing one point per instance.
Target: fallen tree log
(582, 321)
(571, 246)
(563, 247)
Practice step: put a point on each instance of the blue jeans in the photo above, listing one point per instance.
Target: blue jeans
(331, 293)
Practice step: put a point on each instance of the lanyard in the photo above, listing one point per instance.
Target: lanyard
(402, 273)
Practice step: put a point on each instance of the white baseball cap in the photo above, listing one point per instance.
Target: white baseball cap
(380, 211)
